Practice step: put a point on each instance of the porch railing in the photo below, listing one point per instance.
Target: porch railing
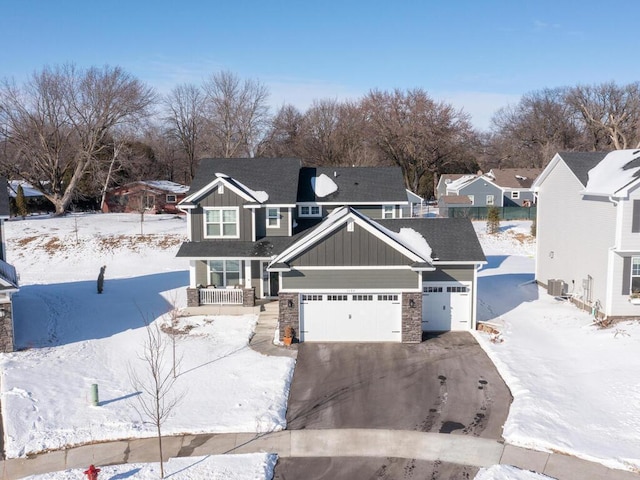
(221, 296)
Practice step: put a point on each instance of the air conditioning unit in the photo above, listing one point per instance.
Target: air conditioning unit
(556, 288)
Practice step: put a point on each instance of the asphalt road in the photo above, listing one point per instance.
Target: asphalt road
(446, 384)
(369, 468)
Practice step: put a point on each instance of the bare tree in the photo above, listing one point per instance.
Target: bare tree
(59, 120)
(237, 114)
(530, 133)
(185, 119)
(611, 113)
(157, 399)
(419, 135)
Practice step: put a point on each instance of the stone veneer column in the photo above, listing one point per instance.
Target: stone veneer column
(6, 329)
(289, 315)
(412, 318)
(249, 297)
(193, 297)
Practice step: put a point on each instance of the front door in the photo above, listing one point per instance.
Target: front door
(274, 284)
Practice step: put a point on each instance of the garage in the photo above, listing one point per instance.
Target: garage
(350, 317)
(446, 306)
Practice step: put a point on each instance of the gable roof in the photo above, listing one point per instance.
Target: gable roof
(614, 174)
(422, 240)
(355, 185)
(514, 177)
(275, 176)
(581, 162)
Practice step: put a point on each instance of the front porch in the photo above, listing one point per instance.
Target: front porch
(211, 296)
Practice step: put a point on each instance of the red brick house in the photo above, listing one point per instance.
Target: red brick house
(155, 196)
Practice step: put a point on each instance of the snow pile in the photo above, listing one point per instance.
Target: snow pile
(75, 338)
(211, 467)
(415, 242)
(574, 385)
(323, 186)
(507, 472)
(609, 176)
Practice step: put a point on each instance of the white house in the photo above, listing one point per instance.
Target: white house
(588, 229)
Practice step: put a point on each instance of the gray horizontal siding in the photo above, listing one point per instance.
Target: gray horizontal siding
(349, 279)
(462, 273)
(344, 248)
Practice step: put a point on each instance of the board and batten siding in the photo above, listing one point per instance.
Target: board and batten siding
(346, 280)
(450, 273)
(285, 220)
(574, 233)
(357, 248)
(215, 199)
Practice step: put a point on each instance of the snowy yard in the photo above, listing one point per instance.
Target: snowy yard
(74, 337)
(575, 386)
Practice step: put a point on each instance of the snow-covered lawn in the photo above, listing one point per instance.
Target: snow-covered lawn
(255, 466)
(575, 386)
(75, 338)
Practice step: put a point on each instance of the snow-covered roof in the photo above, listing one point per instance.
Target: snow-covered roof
(27, 188)
(458, 183)
(258, 195)
(617, 170)
(167, 186)
(323, 186)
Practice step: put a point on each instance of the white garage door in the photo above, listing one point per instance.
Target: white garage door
(446, 306)
(350, 318)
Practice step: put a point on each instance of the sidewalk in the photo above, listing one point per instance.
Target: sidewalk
(458, 449)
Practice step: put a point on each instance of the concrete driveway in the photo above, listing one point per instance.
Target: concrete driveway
(446, 384)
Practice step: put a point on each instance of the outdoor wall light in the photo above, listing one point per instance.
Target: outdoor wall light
(412, 303)
(290, 303)
(551, 254)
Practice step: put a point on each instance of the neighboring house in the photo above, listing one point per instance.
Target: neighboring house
(330, 243)
(506, 187)
(35, 200)
(157, 196)
(8, 277)
(588, 230)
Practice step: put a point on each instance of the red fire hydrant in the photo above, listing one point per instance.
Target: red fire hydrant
(92, 472)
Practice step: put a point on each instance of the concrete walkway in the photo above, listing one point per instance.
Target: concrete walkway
(262, 340)
(459, 449)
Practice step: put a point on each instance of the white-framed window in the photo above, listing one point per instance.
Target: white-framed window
(225, 273)
(171, 198)
(309, 211)
(472, 198)
(490, 199)
(273, 217)
(515, 195)
(221, 222)
(388, 211)
(635, 274)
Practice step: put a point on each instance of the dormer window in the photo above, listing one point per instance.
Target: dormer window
(309, 211)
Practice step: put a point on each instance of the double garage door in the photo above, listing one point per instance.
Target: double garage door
(446, 306)
(351, 317)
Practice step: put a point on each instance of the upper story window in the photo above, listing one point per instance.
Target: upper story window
(309, 211)
(388, 211)
(273, 218)
(171, 198)
(490, 200)
(515, 195)
(221, 222)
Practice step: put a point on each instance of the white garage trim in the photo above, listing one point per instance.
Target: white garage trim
(447, 306)
(351, 317)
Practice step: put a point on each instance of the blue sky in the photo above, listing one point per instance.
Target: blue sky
(477, 54)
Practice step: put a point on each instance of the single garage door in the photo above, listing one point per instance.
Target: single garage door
(446, 306)
(350, 317)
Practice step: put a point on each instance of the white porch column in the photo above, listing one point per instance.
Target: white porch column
(192, 273)
(247, 273)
